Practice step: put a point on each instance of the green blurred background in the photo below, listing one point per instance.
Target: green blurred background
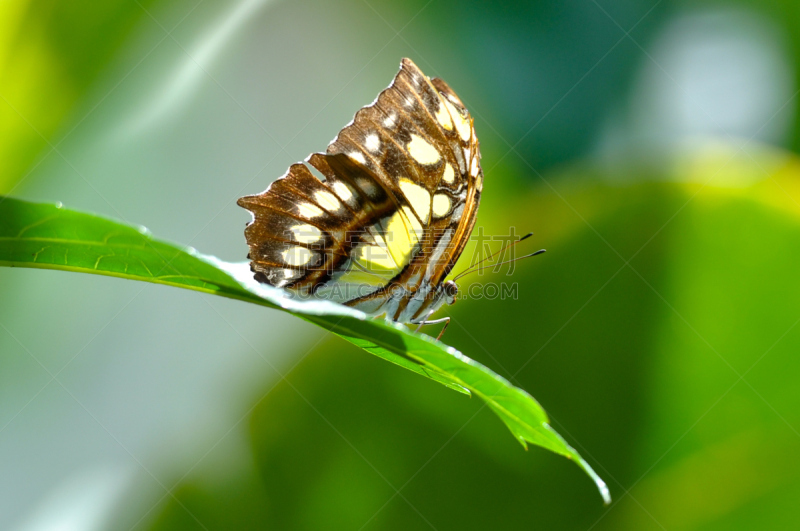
(651, 146)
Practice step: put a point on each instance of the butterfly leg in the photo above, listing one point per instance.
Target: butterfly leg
(445, 320)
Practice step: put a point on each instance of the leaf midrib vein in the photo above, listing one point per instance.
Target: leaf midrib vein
(82, 242)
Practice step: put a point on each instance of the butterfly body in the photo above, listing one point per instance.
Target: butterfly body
(377, 221)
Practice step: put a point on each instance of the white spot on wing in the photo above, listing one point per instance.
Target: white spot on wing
(390, 121)
(358, 157)
(449, 176)
(441, 205)
(462, 125)
(305, 233)
(422, 151)
(342, 191)
(327, 201)
(307, 210)
(297, 256)
(372, 142)
(474, 169)
(443, 117)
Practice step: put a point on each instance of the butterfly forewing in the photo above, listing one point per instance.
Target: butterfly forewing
(394, 207)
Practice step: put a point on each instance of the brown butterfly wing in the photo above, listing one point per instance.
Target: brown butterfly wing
(398, 181)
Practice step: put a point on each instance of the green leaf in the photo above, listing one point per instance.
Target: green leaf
(52, 237)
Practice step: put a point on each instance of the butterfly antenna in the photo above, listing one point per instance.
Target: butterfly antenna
(540, 251)
(492, 256)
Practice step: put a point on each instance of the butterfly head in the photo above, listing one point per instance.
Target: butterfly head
(450, 290)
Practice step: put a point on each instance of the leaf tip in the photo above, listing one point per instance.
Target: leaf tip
(604, 492)
(598, 481)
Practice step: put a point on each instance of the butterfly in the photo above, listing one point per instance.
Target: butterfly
(378, 221)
